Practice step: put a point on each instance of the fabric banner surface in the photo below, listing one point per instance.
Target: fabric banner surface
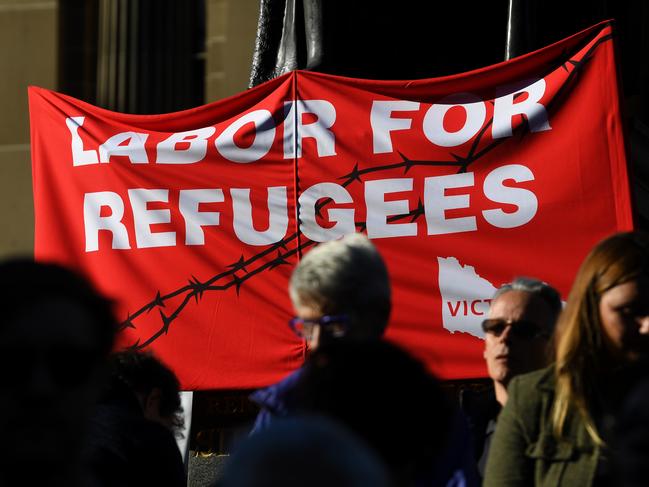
(189, 220)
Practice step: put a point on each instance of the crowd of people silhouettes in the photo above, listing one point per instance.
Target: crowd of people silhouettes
(567, 405)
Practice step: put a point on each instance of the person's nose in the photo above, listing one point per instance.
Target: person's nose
(314, 340)
(506, 335)
(644, 325)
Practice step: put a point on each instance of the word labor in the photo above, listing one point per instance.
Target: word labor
(315, 119)
(104, 211)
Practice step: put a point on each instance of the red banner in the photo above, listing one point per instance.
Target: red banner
(188, 220)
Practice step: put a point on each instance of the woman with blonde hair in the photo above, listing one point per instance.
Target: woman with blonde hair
(556, 425)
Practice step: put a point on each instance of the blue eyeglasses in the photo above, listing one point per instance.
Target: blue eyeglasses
(335, 325)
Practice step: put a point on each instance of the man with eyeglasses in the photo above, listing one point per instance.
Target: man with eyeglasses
(517, 331)
(339, 290)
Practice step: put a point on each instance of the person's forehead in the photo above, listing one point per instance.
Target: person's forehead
(307, 312)
(515, 304)
(627, 292)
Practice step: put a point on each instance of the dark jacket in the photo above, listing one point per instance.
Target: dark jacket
(481, 409)
(454, 466)
(125, 449)
(524, 451)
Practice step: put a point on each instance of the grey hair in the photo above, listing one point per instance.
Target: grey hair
(535, 287)
(346, 276)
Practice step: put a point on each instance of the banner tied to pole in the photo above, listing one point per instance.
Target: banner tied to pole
(193, 221)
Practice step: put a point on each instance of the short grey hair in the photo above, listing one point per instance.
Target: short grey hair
(346, 276)
(536, 287)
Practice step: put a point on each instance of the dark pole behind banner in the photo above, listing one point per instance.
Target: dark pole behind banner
(366, 39)
(533, 24)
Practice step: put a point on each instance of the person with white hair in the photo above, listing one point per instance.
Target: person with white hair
(340, 290)
(342, 300)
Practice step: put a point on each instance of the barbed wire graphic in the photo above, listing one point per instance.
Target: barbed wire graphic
(244, 269)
